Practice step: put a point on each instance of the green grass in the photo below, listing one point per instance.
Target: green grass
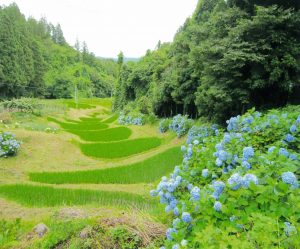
(83, 126)
(146, 171)
(111, 119)
(80, 105)
(121, 148)
(107, 135)
(44, 196)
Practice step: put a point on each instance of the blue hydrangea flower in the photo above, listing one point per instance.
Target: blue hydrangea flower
(226, 138)
(176, 246)
(218, 187)
(218, 206)
(289, 138)
(196, 142)
(176, 211)
(246, 165)
(249, 178)
(195, 194)
(283, 151)
(153, 193)
(293, 128)
(289, 229)
(232, 218)
(176, 222)
(289, 178)
(248, 152)
(169, 233)
(219, 162)
(222, 155)
(184, 242)
(183, 148)
(204, 173)
(293, 157)
(186, 217)
(271, 149)
(235, 181)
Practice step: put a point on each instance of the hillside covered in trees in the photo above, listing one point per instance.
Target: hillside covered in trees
(36, 61)
(228, 57)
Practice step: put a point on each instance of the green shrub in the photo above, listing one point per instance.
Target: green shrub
(9, 146)
(239, 188)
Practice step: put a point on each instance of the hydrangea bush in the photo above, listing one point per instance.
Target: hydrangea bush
(164, 125)
(131, 119)
(9, 146)
(237, 188)
(180, 125)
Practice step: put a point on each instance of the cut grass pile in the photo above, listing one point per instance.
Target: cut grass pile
(44, 196)
(120, 148)
(146, 171)
(107, 135)
(83, 126)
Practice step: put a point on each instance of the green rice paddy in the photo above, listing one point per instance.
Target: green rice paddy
(107, 135)
(121, 148)
(44, 196)
(146, 171)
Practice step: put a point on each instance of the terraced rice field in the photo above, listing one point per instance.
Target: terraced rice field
(103, 153)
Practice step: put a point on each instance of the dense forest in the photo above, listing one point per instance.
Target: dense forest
(228, 57)
(36, 61)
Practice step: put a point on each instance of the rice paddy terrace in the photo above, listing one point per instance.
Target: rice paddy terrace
(91, 163)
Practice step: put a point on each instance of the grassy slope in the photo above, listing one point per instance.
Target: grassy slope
(42, 151)
(145, 171)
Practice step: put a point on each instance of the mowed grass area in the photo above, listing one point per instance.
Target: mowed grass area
(44, 196)
(107, 135)
(121, 148)
(83, 126)
(146, 171)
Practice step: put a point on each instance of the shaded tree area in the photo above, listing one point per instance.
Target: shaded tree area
(36, 61)
(226, 58)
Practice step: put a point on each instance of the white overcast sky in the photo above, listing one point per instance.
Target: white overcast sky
(111, 26)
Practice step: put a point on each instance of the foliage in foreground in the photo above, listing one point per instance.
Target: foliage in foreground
(9, 146)
(110, 233)
(146, 171)
(239, 187)
(120, 148)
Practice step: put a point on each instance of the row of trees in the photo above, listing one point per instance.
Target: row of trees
(229, 56)
(36, 61)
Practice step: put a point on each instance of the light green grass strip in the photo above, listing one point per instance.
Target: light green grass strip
(121, 148)
(83, 126)
(146, 171)
(111, 119)
(44, 196)
(107, 135)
